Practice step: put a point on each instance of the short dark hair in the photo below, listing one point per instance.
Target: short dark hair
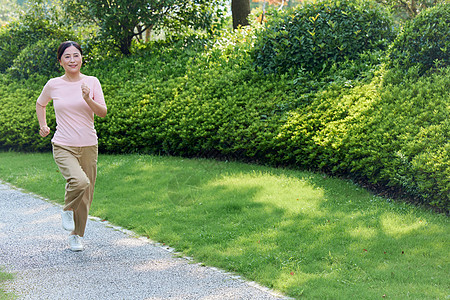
(67, 44)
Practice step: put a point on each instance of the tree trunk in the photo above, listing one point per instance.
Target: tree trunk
(240, 10)
(125, 44)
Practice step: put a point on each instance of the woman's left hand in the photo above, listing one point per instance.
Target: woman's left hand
(85, 91)
(98, 109)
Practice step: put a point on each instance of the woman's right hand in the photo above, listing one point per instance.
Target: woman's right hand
(44, 131)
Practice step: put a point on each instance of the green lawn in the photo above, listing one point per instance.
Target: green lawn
(3, 277)
(301, 233)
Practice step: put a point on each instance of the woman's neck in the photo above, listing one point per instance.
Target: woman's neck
(72, 77)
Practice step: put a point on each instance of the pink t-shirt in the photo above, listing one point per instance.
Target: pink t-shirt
(74, 118)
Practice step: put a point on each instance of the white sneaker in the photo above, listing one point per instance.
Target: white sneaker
(75, 243)
(67, 220)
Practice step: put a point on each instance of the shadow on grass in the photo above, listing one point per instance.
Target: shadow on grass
(299, 233)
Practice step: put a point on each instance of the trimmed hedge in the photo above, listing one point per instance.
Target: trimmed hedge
(388, 134)
(18, 123)
(319, 33)
(38, 58)
(424, 42)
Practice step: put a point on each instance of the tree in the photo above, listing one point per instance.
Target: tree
(410, 7)
(240, 10)
(122, 20)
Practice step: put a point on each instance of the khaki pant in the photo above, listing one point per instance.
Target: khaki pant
(78, 165)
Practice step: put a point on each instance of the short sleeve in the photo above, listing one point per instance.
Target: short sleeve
(44, 97)
(98, 93)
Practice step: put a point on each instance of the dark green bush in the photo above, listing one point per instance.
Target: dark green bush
(319, 33)
(18, 123)
(38, 58)
(424, 42)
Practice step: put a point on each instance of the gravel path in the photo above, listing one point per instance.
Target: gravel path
(114, 265)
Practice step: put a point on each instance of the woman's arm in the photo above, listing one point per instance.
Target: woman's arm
(41, 115)
(98, 109)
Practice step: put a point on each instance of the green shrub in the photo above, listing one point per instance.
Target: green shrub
(385, 134)
(397, 136)
(424, 42)
(201, 110)
(18, 123)
(38, 58)
(322, 32)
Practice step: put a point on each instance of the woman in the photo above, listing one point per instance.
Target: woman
(76, 98)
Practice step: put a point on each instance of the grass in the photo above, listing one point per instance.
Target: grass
(3, 277)
(304, 234)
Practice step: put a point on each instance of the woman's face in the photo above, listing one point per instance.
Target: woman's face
(71, 60)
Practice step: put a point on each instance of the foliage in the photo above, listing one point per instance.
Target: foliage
(121, 21)
(271, 2)
(317, 34)
(8, 10)
(422, 164)
(37, 22)
(424, 43)
(280, 4)
(410, 8)
(386, 133)
(186, 111)
(38, 58)
(18, 123)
